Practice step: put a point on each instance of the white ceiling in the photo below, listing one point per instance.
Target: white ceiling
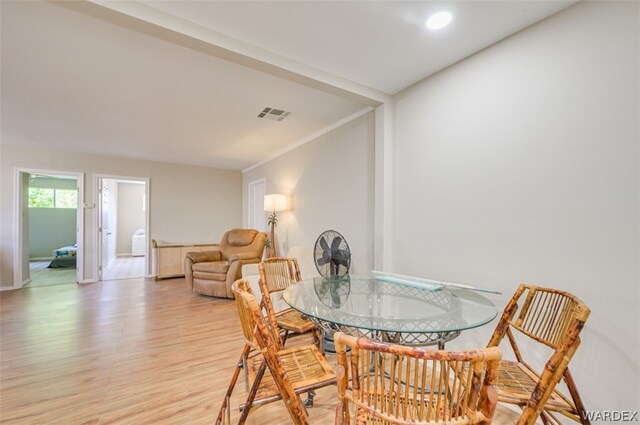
(75, 81)
(380, 44)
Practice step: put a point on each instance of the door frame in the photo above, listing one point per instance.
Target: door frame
(97, 184)
(19, 213)
(262, 181)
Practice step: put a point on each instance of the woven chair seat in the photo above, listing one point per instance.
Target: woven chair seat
(364, 416)
(292, 320)
(516, 382)
(305, 367)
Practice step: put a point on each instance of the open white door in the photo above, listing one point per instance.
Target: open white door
(256, 214)
(104, 228)
(108, 195)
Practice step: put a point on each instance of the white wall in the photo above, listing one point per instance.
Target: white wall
(49, 229)
(130, 214)
(330, 184)
(188, 203)
(520, 164)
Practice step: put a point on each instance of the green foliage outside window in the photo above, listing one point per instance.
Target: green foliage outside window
(41, 198)
(66, 198)
(52, 198)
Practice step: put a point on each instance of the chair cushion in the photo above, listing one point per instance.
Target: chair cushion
(516, 383)
(211, 267)
(304, 366)
(292, 320)
(241, 237)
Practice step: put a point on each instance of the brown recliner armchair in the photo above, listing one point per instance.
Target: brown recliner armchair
(213, 272)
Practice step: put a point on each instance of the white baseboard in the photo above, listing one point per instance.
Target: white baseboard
(11, 288)
(88, 281)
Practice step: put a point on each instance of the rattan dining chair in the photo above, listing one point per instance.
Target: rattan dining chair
(395, 384)
(276, 274)
(552, 318)
(278, 374)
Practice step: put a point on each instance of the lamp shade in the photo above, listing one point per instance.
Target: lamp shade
(275, 202)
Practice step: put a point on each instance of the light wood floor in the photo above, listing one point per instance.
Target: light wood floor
(125, 267)
(127, 352)
(41, 275)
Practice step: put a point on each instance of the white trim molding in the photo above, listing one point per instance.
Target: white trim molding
(8, 288)
(383, 188)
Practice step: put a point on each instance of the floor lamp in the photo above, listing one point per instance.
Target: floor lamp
(274, 203)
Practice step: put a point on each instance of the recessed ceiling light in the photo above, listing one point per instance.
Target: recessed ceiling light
(438, 20)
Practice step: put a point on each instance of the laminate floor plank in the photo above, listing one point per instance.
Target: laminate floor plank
(131, 351)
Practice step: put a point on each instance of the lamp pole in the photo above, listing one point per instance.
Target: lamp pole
(273, 221)
(274, 202)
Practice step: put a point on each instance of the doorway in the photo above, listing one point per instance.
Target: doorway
(48, 228)
(123, 216)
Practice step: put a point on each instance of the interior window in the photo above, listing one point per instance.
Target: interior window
(41, 198)
(65, 198)
(52, 198)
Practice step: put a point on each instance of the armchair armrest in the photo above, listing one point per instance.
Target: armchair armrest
(236, 261)
(204, 256)
(243, 256)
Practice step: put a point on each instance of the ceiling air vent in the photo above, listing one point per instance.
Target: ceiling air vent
(274, 114)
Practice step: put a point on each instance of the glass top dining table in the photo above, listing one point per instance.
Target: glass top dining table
(401, 311)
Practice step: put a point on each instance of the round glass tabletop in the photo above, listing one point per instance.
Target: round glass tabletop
(390, 305)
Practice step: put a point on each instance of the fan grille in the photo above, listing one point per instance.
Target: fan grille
(332, 254)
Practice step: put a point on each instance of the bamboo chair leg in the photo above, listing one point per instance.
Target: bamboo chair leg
(543, 416)
(284, 337)
(318, 335)
(339, 413)
(232, 384)
(577, 400)
(252, 393)
(514, 345)
(246, 372)
(306, 412)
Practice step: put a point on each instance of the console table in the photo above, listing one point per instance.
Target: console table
(169, 258)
